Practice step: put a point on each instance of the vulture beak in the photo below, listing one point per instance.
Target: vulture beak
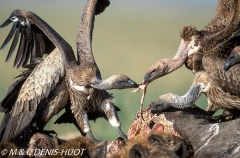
(133, 84)
(146, 79)
(226, 66)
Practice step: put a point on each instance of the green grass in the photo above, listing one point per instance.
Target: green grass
(127, 40)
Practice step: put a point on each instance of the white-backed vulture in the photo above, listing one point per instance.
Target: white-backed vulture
(39, 95)
(208, 49)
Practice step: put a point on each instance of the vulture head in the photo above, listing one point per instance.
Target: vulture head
(162, 103)
(233, 59)
(190, 40)
(114, 82)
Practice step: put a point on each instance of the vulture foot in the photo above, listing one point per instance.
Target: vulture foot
(90, 136)
(122, 135)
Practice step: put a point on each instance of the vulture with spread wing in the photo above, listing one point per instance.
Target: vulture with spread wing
(204, 52)
(58, 80)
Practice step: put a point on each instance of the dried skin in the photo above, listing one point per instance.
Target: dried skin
(144, 87)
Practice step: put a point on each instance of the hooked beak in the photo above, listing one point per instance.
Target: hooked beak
(133, 84)
(146, 79)
(227, 66)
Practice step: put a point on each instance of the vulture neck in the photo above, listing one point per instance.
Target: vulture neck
(188, 99)
(178, 60)
(84, 35)
(102, 84)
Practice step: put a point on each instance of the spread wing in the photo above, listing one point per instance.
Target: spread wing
(224, 26)
(85, 32)
(36, 38)
(33, 42)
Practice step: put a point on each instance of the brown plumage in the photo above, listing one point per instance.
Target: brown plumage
(205, 58)
(37, 96)
(233, 59)
(212, 39)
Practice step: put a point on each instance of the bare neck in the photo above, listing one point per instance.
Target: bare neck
(102, 84)
(178, 60)
(188, 99)
(84, 35)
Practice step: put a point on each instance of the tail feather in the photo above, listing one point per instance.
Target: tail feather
(7, 103)
(4, 124)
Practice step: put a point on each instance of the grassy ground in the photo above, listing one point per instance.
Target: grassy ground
(128, 38)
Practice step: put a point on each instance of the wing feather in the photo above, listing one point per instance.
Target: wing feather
(228, 81)
(40, 82)
(6, 23)
(25, 54)
(13, 46)
(33, 41)
(230, 13)
(10, 35)
(20, 50)
(36, 39)
(222, 18)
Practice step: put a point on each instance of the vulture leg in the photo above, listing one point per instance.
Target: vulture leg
(211, 109)
(83, 122)
(112, 117)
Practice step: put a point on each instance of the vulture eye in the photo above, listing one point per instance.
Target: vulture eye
(231, 58)
(122, 82)
(153, 71)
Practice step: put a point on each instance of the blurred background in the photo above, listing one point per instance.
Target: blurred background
(128, 37)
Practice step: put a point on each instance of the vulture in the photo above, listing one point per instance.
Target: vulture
(204, 53)
(58, 79)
